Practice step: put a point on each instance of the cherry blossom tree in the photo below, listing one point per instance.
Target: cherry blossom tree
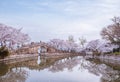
(10, 36)
(63, 45)
(100, 46)
(93, 45)
(112, 31)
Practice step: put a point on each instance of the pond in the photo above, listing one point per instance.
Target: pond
(70, 69)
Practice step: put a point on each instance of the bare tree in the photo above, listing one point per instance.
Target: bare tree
(82, 41)
(71, 39)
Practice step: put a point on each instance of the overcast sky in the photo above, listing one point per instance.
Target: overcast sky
(48, 19)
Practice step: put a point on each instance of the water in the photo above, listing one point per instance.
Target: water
(71, 69)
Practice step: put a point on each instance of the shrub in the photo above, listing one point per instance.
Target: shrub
(3, 52)
(116, 49)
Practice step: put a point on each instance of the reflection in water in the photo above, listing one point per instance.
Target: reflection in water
(3, 69)
(27, 71)
(14, 75)
(38, 61)
(68, 64)
(108, 73)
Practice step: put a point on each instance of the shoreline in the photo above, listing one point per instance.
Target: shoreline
(24, 57)
(18, 58)
(107, 58)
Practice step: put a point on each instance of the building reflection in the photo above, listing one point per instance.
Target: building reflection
(38, 60)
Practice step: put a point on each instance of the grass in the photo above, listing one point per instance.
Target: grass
(116, 53)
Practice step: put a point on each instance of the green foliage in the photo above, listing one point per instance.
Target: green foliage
(4, 52)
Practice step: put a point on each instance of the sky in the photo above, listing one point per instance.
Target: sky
(57, 19)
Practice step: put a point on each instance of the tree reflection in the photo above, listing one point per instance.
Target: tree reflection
(3, 69)
(107, 73)
(15, 75)
(66, 63)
